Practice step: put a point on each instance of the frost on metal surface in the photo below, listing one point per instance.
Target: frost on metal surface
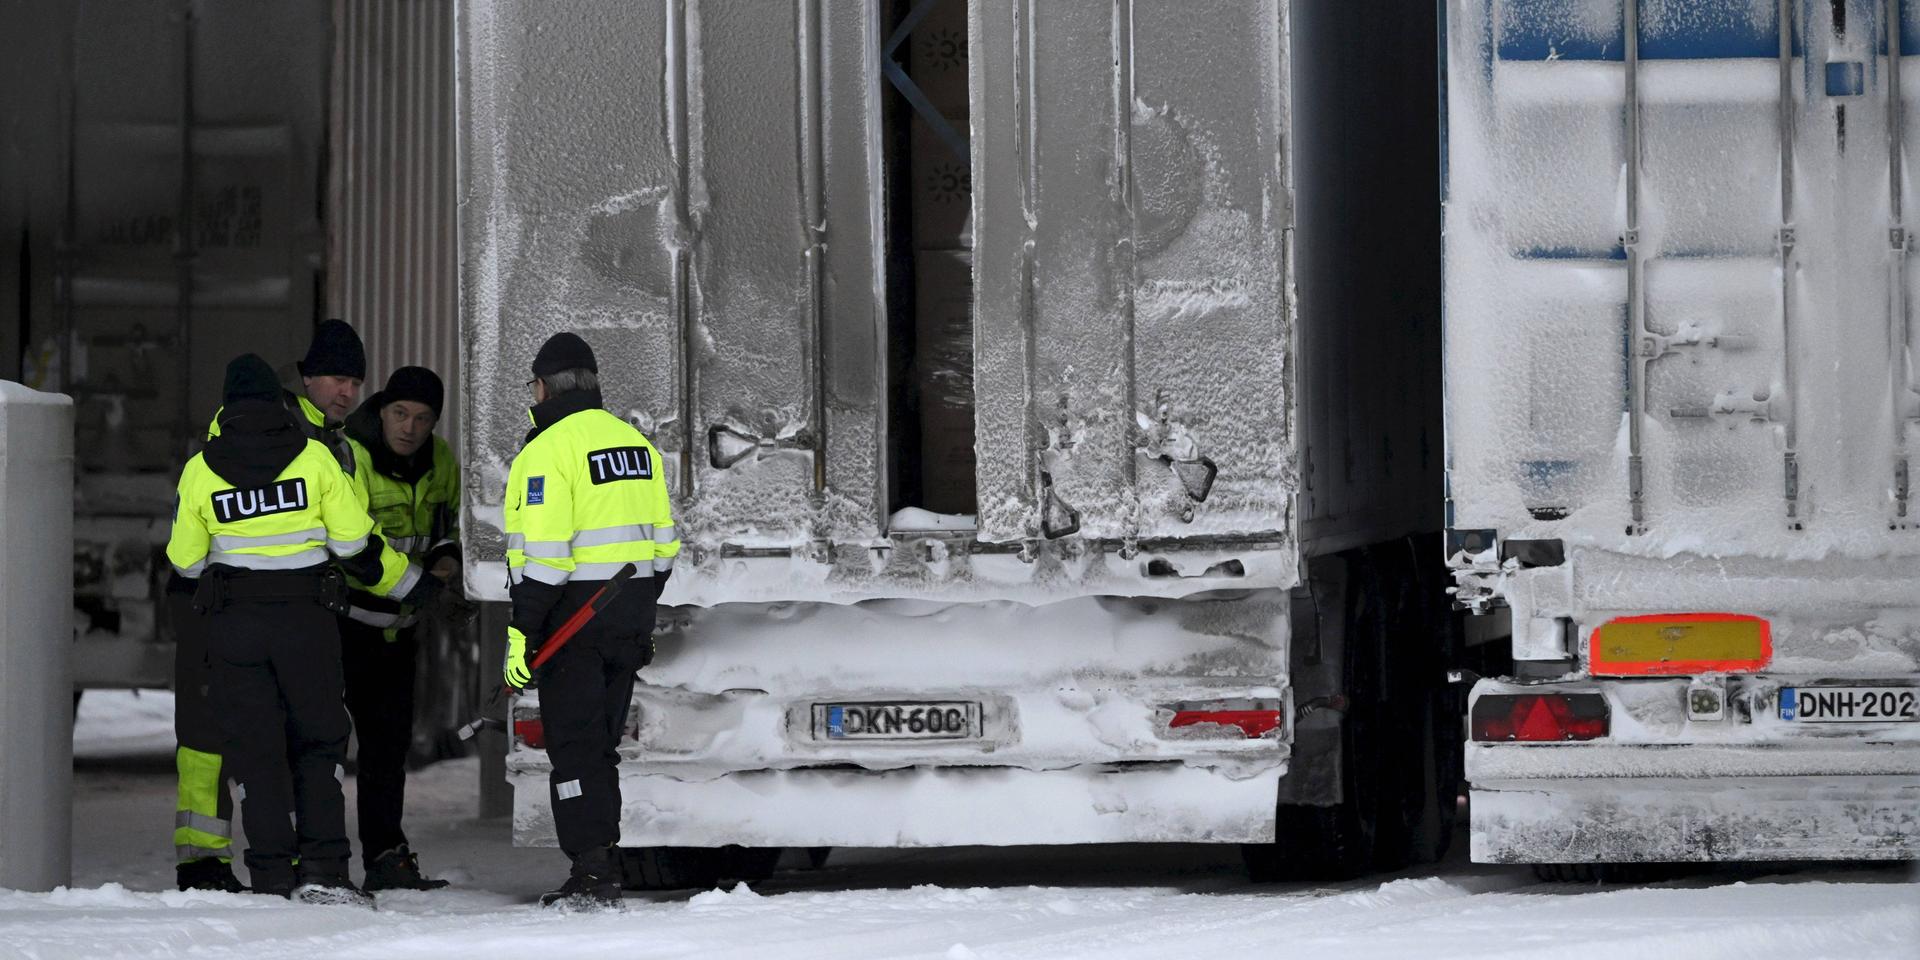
(696, 187)
(1767, 336)
(1130, 200)
(665, 179)
(1075, 697)
(1779, 818)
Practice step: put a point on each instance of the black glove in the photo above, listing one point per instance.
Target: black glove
(424, 590)
(451, 607)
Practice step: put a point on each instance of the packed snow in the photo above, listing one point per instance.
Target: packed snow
(1105, 901)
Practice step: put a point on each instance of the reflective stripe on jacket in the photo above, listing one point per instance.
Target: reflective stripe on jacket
(308, 514)
(584, 497)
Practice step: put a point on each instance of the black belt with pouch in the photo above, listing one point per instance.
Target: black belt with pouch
(218, 589)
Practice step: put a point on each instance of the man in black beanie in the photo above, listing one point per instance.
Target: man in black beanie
(331, 374)
(586, 499)
(330, 378)
(413, 488)
(334, 368)
(263, 515)
(203, 813)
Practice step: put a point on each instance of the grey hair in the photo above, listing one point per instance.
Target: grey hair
(567, 381)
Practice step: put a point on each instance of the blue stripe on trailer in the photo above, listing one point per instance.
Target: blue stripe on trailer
(1711, 30)
(1555, 30)
(1534, 30)
(1570, 253)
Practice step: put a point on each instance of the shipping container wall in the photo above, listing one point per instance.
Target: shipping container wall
(1677, 275)
(393, 267)
(164, 195)
(33, 54)
(193, 222)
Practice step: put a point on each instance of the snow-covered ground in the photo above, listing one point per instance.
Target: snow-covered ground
(1114, 901)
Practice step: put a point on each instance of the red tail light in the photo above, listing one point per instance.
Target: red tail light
(1540, 717)
(1254, 723)
(531, 732)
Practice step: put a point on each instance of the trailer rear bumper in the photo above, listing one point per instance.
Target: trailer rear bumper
(927, 806)
(1637, 819)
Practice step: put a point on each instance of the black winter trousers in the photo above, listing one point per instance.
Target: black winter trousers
(586, 691)
(379, 678)
(276, 687)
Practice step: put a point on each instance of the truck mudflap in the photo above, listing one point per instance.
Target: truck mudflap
(927, 807)
(1633, 820)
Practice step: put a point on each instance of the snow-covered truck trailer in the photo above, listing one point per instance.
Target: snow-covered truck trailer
(1049, 397)
(1681, 406)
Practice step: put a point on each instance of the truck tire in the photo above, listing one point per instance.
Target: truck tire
(681, 868)
(1316, 843)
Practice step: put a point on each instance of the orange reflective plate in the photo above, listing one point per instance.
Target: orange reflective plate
(1670, 644)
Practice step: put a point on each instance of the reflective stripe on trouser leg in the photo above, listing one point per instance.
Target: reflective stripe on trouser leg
(568, 790)
(198, 830)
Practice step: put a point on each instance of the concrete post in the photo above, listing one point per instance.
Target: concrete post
(36, 638)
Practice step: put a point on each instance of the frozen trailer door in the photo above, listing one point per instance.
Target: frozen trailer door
(700, 190)
(1132, 205)
(1673, 316)
(687, 185)
(1681, 407)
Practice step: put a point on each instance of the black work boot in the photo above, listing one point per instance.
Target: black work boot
(398, 869)
(594, 884)
(274, 878)
(329, 886)
(208, 873)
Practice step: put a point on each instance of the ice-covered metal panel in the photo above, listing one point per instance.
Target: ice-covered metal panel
(1132, 324)
(568, 214)
(690, 186)
(1677, 280)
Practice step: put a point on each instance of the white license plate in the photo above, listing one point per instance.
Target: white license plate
(1850, 704)
(896, 721)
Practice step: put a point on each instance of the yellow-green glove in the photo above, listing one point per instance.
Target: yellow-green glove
(515, 669)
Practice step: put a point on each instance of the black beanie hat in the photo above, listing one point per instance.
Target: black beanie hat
(563, 351)
(417, 384)
(249, 378)
(335, 352)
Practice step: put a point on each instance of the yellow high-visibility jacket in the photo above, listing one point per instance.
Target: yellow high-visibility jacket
(314, 424)
(416, 518)
(586, 495)
(308, 514)
(419, 519)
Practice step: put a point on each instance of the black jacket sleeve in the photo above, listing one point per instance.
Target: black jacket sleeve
(533, 601)
(365, 565)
